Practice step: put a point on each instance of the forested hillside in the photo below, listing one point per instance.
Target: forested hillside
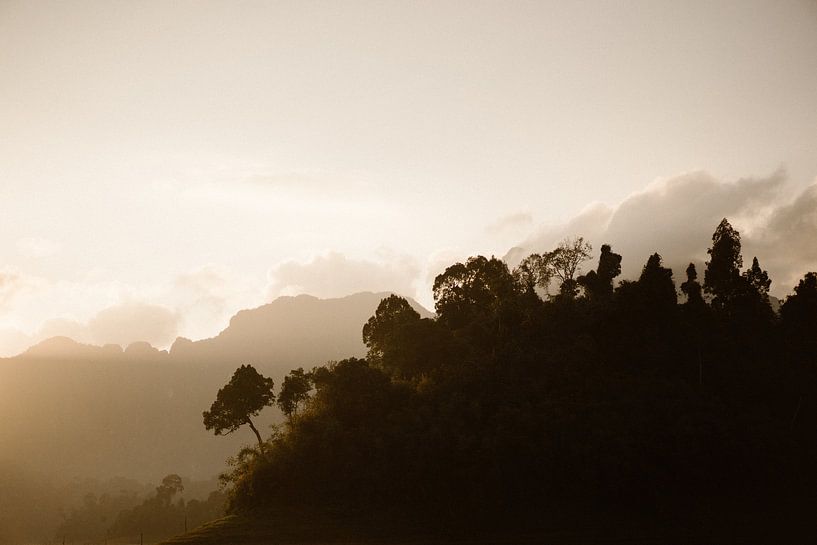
(541, 390)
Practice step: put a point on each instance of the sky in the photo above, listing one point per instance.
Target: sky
(165, 164)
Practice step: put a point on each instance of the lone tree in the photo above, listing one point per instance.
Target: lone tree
(247, 393)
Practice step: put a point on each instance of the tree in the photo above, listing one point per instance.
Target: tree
(171, 484)
(392, 313)
(722, 275)
(247, 393)
(294, 391)
(656, 283)
(472, 289)
(566, 262)
(598, 284)
(534, 271)
(799, 315)
(801, 307)
(758, 279)
(691, 288)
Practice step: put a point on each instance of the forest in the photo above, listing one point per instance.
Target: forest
(539, 391)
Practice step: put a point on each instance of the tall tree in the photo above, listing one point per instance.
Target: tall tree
(691, 288)
(392, 313)
(294, 391)
(656, 284)
(534, 272)
(758, 279)
(566, 263)
(598, 284)
(722, 275)
(247, 393)
(471, 290)
(798, 315)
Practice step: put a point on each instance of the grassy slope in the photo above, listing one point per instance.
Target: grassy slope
(756, 528)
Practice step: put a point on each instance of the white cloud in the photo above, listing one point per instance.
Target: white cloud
(335, 275)
(676, 217)
(10, 285)
(134, 321)
(510, 222)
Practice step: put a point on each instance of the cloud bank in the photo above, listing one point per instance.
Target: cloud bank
(336, 275)
(676, 217)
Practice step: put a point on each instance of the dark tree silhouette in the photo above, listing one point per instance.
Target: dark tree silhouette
(247, 393)
(656, 283)
(758, 279)
(474, 288)
(508, 403)
(294, 391)
(598, 284)
(392, 313)
(534, 271)
(722, 275)
(798, 315)
(691, 288)
(566, 262)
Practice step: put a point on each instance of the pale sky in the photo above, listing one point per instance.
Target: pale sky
(165, 164)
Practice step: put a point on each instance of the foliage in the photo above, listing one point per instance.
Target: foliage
(294, 391)
(91, 520)
(471, 291)
(691, 288)
(392, 315)
(566, 262)
(723, 269)
(160, 517)
(126, 515)
(598, 284)
(508, 403)
(534, 271)
(247, 393)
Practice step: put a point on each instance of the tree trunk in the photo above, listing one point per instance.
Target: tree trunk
(258, 435)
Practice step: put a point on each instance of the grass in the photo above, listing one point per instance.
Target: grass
(272, 529)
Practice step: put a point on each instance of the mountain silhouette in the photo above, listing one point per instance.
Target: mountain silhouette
(82, 410)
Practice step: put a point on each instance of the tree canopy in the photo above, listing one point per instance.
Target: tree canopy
(512, 404)
(247, 393)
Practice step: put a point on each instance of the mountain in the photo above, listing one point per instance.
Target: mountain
(78, 410)
(289, 332)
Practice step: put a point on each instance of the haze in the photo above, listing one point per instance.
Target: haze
(163, 165)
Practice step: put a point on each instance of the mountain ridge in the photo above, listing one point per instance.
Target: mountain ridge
(136, 411)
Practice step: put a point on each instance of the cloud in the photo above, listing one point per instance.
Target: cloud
(120, 324)
(510, 222)
(676, 217)
(61, 327)
(131, 322)
(335, 275)
(207, 297)
(10, 285)
(789, 238)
